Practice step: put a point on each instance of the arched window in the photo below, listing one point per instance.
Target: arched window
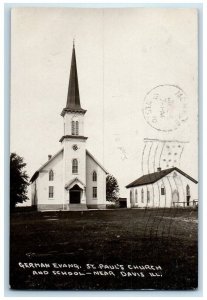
(136, 196)
(188, 195)
(76, 128)
(75, 166)
(162, 190)
(142, 196)
(187, 190)
(131, 196)
(73, 127)
(148, 196)
(51, 175)
(94, 176)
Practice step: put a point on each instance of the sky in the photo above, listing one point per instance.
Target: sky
(124, 57)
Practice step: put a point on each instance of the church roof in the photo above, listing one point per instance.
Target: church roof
(36, 174)
(154, 177)
(73, 98)
(87, 152)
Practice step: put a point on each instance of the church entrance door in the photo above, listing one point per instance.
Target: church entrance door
(75, 195)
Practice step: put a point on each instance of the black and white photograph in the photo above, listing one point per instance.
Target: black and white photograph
(104, 149)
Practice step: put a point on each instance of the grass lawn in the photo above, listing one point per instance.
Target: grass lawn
(135, 237)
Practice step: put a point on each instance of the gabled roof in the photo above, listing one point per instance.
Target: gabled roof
(74, 180)
(153, 177)
(36, 174)
(87, 152)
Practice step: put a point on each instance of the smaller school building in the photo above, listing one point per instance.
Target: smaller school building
(164, 188)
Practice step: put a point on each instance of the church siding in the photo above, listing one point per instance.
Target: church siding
(43, 183)
(100, 201)
(69, 155)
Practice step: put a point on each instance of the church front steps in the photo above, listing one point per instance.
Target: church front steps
(77, 207)
(68, 207)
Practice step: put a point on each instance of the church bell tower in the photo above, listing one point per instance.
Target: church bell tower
(73, 142)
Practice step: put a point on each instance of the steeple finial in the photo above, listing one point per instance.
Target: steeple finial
(73, 43)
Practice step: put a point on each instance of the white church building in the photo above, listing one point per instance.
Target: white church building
(164, 188)
(72, 179)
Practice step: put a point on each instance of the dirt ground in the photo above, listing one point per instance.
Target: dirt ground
(160, 244)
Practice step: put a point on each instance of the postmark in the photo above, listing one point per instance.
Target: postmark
(165, 107)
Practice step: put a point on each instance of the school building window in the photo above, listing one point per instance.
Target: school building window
(148, 196)
(162, 190)
(142, 196)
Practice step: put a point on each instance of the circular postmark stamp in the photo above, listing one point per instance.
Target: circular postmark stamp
(165, 107)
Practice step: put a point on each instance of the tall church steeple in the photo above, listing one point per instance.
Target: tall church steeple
(73, 113)
(73, 98)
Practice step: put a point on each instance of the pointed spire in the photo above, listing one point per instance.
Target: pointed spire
(73, 98)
